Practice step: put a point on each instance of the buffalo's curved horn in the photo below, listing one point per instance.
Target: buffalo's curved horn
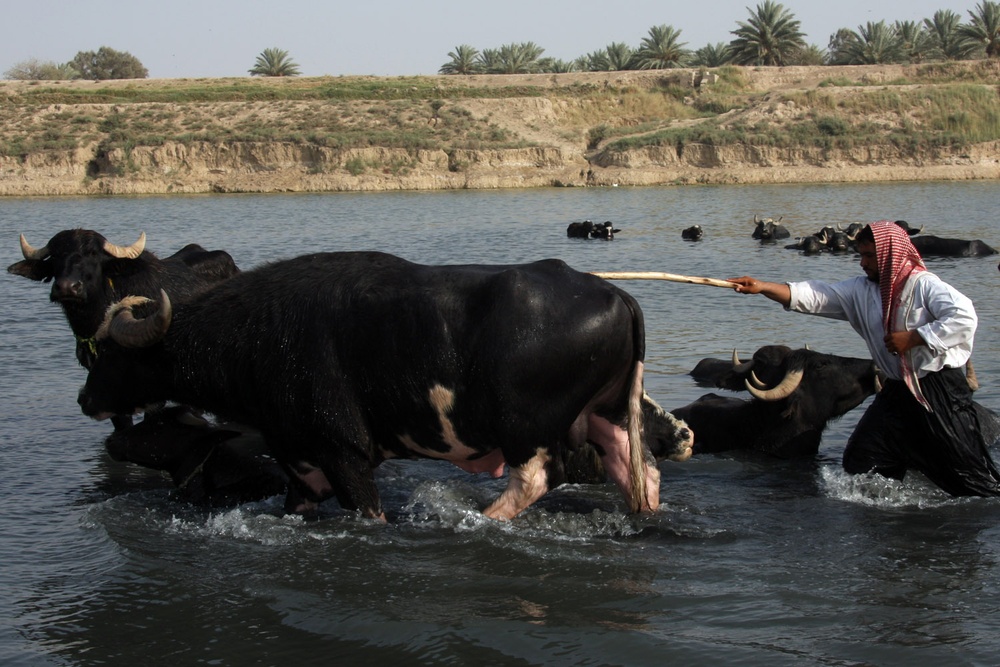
(840, 226)
(31, 253)
(127, 331)
(782, 390)
(780, 218)
(123, 252)
(740, 366)
(755, 220)
(755, 381)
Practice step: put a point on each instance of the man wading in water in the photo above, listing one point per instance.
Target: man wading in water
(919, 331)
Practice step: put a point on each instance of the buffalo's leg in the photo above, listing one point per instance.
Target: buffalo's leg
(614, 446)
(526, 484)
(353, 482)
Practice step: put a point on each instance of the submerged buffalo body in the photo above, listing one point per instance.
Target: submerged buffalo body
(944, 247)
(769, 229)
(795, 394)
(209, 464)
(343, 360)
(591, 230)
(692, 233)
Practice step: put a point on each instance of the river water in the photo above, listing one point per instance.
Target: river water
(749, 561)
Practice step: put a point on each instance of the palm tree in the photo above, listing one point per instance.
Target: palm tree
(944, 34)
(463, 61)
(711, 55)
(621, 56)
(516, 58)
(489, 61)
(595, 61)
(914, 39)
(771, 34)
(556, 66)
(274, 62)
(874, 44)
(982, 34)
(661, 49)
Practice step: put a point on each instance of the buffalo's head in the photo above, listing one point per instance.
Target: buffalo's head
(769, 229)
(74, 260)
(128, 371)
(810, 385)
(83, 268)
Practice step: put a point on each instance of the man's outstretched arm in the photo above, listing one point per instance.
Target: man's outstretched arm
(779, 292)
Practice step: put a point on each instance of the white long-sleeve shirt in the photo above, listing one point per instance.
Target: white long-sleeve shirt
(944, 317)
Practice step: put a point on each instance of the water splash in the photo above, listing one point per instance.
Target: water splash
(874, 490)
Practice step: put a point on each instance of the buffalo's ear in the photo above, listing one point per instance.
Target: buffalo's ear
(32, 269)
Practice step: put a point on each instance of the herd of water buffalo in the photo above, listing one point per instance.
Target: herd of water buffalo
(312, 374)
(837, 239)
(841, 239)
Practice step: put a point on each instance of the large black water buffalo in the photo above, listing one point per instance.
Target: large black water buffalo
(343, 360)
(795, 394)
(928, 245)
(769, 229)
(89, 273)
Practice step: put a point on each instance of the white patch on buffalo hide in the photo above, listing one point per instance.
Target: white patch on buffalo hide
(525, 485)
(442, 401)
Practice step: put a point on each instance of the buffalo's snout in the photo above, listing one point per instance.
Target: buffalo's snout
(66, 289)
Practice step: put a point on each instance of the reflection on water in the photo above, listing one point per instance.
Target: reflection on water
(749, 561)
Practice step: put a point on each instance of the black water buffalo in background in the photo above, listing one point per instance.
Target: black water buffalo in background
(809, 245)
(909, 230)
(839, 241)
(795, 394)
(852, 229)
(732, 374)
(692, 233)
(591, 230)
(214, 465)
(89, 273)
(343, 360)
(928, 245)
(769, 229)
(826, 239)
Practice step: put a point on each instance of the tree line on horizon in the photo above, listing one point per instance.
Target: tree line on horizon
(770, 36)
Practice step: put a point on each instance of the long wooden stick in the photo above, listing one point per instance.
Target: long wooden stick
(656, 275)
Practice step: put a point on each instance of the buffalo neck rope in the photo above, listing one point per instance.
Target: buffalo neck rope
(899, 267)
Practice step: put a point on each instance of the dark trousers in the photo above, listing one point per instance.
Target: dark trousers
(896, 433)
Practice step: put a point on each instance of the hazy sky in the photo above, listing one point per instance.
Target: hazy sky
(215, 38)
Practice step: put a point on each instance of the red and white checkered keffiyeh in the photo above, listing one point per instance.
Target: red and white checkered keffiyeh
(897, 261)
